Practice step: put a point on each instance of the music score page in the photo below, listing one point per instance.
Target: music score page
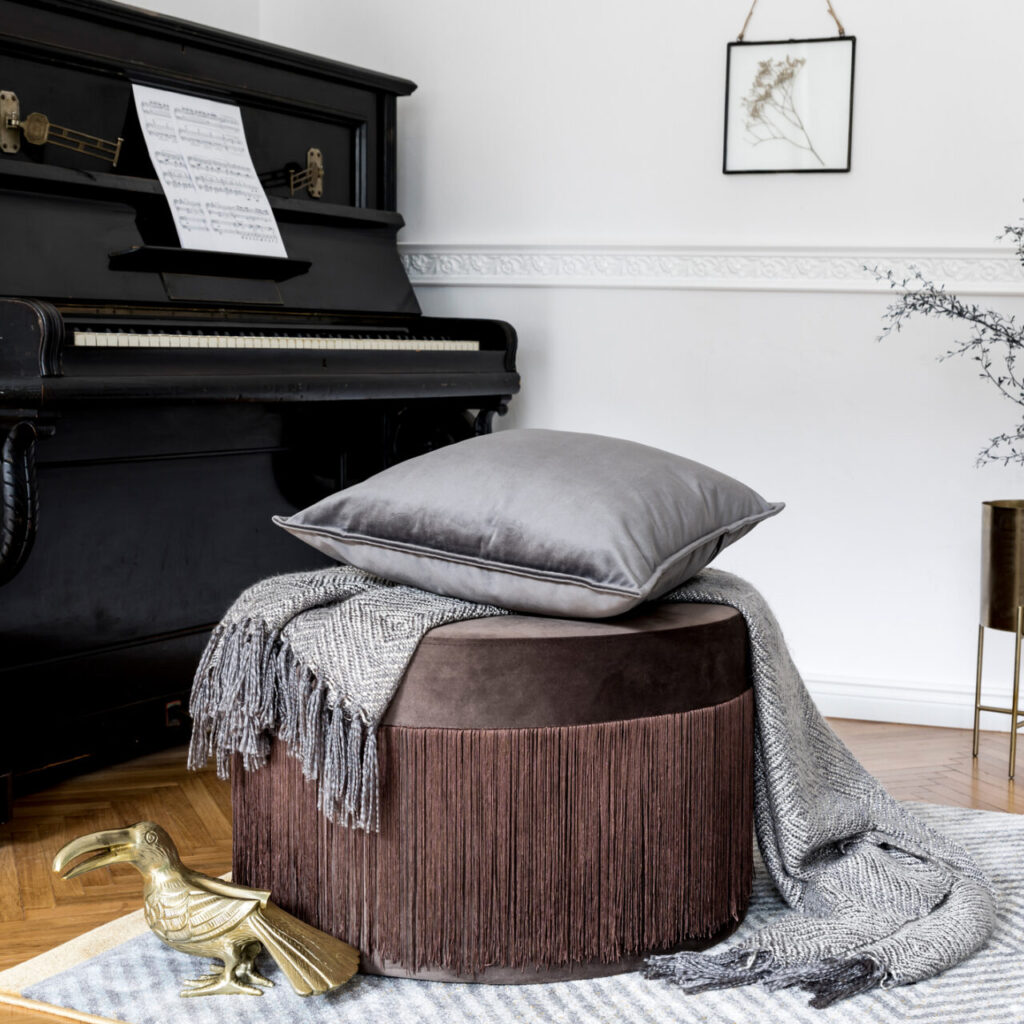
(201, 157)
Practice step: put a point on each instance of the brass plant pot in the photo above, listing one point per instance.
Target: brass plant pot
(1002, 563)
(1002, 599)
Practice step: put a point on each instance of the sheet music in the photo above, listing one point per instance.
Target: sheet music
(201, 157)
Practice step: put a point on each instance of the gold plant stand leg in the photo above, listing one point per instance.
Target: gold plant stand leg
(977, 690)
(1016, 690)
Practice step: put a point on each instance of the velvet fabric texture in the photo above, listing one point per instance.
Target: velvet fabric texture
(524, 671)
(539, 521)
(559, 799)
(514, 856)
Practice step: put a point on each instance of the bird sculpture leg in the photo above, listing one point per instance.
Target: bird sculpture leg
(232, 980)
(207, 979)
(246, 970)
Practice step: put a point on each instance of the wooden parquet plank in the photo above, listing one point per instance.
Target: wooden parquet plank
(35, 880)
(11, 908)
(208, 809)
(43, 808)
(13, 1015)
(71, 826)
(219, 790)
(135, 805)
(923, 763)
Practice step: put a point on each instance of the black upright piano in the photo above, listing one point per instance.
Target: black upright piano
(159, 404)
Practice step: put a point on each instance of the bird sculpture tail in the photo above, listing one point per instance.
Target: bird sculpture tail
(313, 961)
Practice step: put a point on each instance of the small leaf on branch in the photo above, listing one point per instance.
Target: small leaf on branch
(986, 329)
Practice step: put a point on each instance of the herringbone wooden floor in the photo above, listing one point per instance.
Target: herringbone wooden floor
(39, 911)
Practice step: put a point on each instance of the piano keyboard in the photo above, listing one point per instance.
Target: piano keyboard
(288, 342)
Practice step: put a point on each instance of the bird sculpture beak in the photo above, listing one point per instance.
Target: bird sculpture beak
(111, 847)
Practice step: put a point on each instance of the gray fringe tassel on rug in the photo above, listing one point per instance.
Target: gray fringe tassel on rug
(314, 658)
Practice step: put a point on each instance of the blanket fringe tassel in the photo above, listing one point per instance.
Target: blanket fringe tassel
(828, 980)
(248, 688)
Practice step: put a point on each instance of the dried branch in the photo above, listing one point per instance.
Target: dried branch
(993, 340)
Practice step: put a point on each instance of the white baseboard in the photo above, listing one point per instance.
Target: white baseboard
(878, 700)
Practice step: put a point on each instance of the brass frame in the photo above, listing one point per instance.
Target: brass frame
(1014, 711)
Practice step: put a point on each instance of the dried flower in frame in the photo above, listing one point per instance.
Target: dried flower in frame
(772, 115)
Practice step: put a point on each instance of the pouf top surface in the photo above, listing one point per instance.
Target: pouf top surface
(524, 671)
(647, 619)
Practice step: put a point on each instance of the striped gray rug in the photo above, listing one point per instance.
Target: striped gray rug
(138, 981)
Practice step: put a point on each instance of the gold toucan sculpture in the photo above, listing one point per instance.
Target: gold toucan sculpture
(204, 916)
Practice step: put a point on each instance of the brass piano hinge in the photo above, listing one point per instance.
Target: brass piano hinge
(312, 178)
(37, 130)
(10, 136)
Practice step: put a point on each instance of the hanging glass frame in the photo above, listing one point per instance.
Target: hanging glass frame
(789, 106)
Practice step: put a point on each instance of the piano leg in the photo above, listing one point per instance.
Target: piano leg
(484, 420)
(19, 503)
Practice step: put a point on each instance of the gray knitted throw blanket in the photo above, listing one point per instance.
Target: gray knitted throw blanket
(314, 659)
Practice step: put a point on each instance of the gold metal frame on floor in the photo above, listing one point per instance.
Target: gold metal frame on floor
(1014, 710)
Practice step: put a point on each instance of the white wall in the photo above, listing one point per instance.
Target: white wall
(241, 16)
(601, 121)
(740, 331)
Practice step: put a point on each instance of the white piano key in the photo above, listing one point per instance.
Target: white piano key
(320, 343)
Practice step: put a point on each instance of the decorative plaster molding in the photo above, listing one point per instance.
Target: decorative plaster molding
(989, 271)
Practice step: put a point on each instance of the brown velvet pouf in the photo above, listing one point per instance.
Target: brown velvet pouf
(559, 799)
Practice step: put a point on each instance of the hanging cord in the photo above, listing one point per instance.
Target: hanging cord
(828, 3)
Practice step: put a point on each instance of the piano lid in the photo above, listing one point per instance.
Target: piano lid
(79, 227)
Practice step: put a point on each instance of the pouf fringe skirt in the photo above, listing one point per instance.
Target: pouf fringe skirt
(519, 855)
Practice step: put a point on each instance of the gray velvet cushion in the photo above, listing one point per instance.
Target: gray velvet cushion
(539, 521)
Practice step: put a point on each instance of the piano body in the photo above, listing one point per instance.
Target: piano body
(158, 404)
